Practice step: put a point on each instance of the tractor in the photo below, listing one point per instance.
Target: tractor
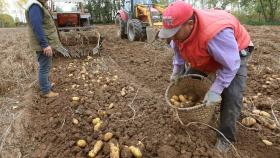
(139, 20)
(73, 23)
(69, 14)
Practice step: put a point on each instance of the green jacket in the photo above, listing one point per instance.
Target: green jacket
(49, 28)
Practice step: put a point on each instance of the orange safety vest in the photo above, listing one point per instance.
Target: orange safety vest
(207, 25)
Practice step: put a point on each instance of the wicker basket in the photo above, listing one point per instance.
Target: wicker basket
(195, 86)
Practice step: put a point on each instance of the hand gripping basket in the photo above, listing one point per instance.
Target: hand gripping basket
(195, 86)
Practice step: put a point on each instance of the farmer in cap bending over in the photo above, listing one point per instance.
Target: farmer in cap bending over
(43, 39)
(211, 42)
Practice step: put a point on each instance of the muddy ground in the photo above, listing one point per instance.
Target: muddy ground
(125, 87)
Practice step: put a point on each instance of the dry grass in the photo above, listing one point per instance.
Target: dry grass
(17, 68)
(17, 63)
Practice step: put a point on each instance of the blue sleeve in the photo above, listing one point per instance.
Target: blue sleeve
(36, 19)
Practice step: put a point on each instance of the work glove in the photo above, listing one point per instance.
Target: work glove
(178, 71)
(63, 51)
(212, 98)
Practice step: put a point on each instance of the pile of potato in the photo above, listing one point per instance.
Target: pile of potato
(261, 117)
(183, 101)
(114, 148)
(106, 138)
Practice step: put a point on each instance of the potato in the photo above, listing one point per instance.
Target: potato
(114, 150)
(97, 126)
(75, 98)
(75, 121)
(177, 104)
(111, 106)
(91, 154)
(172, 100)
(256, 111)
(108, 136)
(265, 114)
(266, 142)
(81, 143)
(135, 151)
(175, 97)
(123, 91)
(272, 126)
(248, 121)
(97, 147)
(96, 120)
(182, 98)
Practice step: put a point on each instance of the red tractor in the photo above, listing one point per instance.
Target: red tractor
(73, 23)
(69, 13)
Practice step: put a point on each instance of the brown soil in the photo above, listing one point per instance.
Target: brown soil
(134, 76)
(79, 42)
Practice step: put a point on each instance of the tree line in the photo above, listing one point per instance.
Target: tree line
(6, 20)
(266, 11)
(248, 11)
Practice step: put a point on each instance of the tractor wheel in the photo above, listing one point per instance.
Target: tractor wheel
(121, 27)
(134, 30)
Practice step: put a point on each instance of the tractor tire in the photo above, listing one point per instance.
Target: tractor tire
(121, 27)
(134, 30)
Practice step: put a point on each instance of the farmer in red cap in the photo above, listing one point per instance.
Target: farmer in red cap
(212, 42)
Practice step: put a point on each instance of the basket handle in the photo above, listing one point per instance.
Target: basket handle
(195, 76)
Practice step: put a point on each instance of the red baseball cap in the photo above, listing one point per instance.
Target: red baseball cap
(173, 17)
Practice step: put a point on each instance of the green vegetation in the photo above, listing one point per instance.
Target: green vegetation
(7, 21)
(253, 12)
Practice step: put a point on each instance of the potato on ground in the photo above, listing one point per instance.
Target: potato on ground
(107, 136)
(265, 114)
(97, 147)
(96, 120)
(75, 98)
(266, 142)
(81, 143)
(97, 126)
(135, 151)
(114, 150)
(248, 121)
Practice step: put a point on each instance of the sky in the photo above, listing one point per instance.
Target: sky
(14, 11)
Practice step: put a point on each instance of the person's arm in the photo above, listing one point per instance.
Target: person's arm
(178, 61)
(36, 19)
(224, 49)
